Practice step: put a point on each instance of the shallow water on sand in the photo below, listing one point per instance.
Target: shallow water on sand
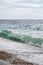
(4, 63)
(25, 51)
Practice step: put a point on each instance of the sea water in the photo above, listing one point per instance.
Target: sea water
(27, 52)
(33, 28)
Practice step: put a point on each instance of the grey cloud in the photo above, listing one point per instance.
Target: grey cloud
(9, 9)
(22, 4)
(28, 5)
(32, 1)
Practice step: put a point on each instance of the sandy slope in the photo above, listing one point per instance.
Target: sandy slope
(12, 59)
(23, 50)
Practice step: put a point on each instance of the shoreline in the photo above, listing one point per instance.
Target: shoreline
(12, 59)
(16, 48)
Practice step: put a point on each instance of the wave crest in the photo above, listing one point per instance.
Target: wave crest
(20, 38)
(9, 35)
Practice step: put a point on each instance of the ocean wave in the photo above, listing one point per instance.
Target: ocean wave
(20, 38)
(9, 35)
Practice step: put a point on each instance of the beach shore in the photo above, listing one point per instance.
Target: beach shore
(20, 53)
(12, 59)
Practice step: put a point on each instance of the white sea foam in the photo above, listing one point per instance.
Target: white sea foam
(34, 34)
(34, 29)
(24, 51)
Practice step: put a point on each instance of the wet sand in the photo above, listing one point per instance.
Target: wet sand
(15, 52)
(11, 59)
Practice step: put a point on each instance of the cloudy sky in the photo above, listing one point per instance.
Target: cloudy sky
(21, 9)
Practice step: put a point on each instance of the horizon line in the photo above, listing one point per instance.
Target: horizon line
(21, 19)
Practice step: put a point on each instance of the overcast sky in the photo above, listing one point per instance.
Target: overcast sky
(21, 9)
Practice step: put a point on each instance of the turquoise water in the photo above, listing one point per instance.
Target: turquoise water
(20, 38)
(22, 30)
(27, 32)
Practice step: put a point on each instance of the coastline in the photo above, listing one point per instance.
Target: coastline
(22, 51)
(13, 59)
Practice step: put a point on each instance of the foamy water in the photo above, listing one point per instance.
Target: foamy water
(24, 51)
(34, 34)
(4, 63)
(32, 28)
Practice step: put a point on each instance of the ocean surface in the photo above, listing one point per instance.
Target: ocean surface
(23, 29)
(27, 32)
(32, 28)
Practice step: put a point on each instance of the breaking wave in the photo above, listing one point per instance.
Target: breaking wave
(20, 38)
